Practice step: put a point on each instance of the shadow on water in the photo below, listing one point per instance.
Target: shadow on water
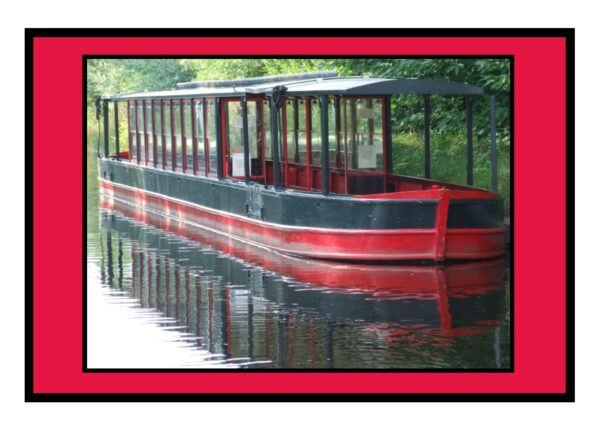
(254, 308)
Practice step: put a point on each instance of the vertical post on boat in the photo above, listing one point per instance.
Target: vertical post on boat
(173, 137)
(275, 142)
(138, 151)
(388, 134)
(105, 117)
(325, 143)
(296, 124)
(194, 135)
(426, 134)
(183, 152)
(387, 148)
(469, 105)
(130, 133)
(116, 108)
(494, 156)
(219, 131)
(245, 139)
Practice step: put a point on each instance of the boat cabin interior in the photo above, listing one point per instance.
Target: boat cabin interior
(313, 132)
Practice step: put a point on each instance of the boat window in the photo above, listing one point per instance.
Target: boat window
(158, 140)
(300, 149)
(336, 133)
(140, 132)
(168, 129)
(365, 134)
(177, 134)
(291, 132)
(235, 148)
(266, 112)
(149, 134)
(234, 139)
(315, 132)
(255, 142)
(211, 134)
(189, 141)
(200, 135)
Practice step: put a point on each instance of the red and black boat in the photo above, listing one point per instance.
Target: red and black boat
(301, 164)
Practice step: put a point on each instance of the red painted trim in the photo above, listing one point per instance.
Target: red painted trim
(441, 224)
(385, 244)
(455, 194)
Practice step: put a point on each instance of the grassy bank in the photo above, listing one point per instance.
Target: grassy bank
(449, 160)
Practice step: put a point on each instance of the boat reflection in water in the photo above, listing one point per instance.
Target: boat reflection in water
(270, 310)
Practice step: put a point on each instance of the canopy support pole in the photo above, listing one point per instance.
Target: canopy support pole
(494, 157)
(275, 141)
(245, 139)
(105, 117)
(389, 164)
(116, 108)
(325, 142)
(426, 135)
(219, 130)
(469, 102)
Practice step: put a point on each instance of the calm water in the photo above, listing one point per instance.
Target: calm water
(165, 294)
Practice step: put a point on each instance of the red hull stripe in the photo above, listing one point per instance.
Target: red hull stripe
(351, 244)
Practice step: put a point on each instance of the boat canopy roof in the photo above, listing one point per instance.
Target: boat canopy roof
(308, 84)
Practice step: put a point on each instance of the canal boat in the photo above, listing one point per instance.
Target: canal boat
(300, 164)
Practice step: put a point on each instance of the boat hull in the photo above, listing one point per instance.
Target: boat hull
(432, 238)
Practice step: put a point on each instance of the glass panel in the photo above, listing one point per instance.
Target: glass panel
(150, 133)
(211, 131)
(291, 131)
(334, 136)
(158, 132)
(267, 129)
(365, 134)
(140, 131)
(300, 152)
(177, 133)
(189, 141)
(235, 146)
(255, 138)
(315, 132)
(200, 135)
(168, 129)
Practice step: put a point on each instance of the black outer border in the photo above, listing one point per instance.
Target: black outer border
(568, 396)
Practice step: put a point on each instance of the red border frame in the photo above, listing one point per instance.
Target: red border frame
(543, 139)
